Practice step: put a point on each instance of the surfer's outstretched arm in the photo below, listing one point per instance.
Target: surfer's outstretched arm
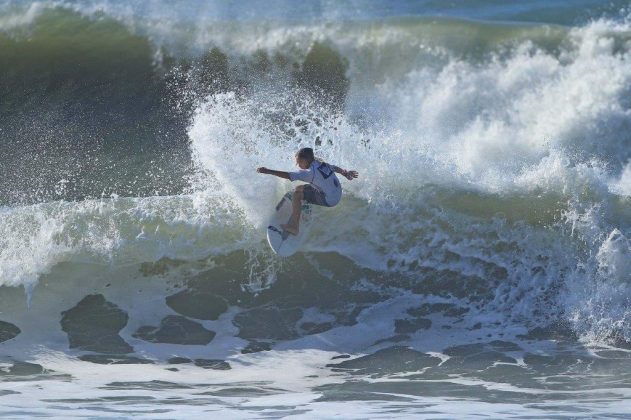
(350, 175)
(280, 174)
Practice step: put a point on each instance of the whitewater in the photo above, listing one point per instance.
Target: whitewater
(480, 264)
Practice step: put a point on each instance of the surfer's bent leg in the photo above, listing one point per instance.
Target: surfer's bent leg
(296, 202)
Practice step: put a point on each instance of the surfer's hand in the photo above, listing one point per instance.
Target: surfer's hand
(350, 175)
(262, 170)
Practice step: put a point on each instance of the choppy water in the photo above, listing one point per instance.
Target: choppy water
(480, 265)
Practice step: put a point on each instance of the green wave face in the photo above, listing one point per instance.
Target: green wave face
(98, 104)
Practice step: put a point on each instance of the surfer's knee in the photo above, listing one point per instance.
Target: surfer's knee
(299, 191)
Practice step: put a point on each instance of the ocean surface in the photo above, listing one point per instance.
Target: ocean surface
(479, 267)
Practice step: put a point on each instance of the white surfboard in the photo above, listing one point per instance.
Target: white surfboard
(284, 243)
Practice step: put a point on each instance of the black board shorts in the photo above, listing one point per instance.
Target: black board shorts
(314, 196)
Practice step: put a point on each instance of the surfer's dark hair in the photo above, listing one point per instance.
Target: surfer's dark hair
(306, 153)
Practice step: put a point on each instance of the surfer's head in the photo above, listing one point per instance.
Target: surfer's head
(304, 157)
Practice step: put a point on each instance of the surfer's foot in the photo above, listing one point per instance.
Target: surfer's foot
(290, 228)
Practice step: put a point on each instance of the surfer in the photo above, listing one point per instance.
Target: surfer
(322, 189)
